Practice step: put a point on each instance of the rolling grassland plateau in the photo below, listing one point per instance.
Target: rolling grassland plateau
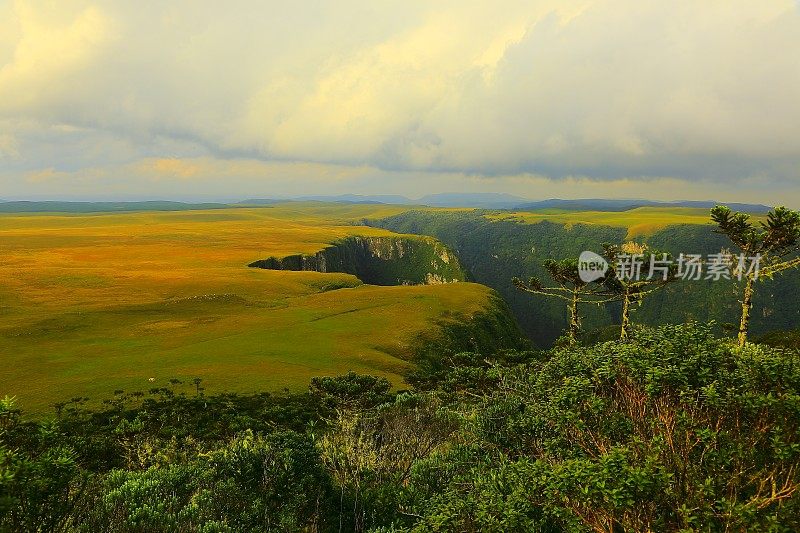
(97, 302)
(638, 222)
(266, 297)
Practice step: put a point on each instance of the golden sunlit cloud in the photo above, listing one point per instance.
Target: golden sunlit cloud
(52, 44)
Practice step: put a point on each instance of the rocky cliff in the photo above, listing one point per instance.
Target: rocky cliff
(401, 260)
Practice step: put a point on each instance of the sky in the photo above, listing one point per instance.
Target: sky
(192, 99)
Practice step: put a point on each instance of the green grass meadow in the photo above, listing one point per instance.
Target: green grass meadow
(92, 303)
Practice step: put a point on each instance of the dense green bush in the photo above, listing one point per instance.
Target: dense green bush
(676, 430)
(253, 483)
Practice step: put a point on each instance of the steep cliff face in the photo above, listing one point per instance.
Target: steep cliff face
(495, 251)
(379, 261)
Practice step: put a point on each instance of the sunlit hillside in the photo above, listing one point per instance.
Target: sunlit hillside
(641, 221)
(94, 303)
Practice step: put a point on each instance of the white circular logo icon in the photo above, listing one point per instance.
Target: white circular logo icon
(591, 266)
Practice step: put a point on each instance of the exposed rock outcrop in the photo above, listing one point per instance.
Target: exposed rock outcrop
(401, 260)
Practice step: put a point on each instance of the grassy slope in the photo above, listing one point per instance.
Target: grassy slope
(640, 222)
(93, 303)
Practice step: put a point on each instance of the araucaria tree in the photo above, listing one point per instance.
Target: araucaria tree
(634, 273)
(569, 287)
(766, 248)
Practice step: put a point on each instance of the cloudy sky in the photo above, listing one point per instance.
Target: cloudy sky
(201, 98)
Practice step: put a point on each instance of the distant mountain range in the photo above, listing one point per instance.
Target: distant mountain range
(447, 199)
(360, 199)
(510, 201)
(469, 200)
(100, 207)
(626, 205)
(485, 200)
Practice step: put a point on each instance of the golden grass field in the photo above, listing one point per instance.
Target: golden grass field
(639, 222)
(91, 303)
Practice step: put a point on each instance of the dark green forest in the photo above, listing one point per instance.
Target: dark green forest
(493, 252)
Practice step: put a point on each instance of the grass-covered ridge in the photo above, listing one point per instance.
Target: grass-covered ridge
(638, 222)
(96, 302)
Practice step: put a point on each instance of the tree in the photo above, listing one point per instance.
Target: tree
(633, 274)
(570, 287)
(272, 482)
(772, 245)
(41, 482)
(351, 391)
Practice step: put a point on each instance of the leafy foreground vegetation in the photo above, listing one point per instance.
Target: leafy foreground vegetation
(674, 430)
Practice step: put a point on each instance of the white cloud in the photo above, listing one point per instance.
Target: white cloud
(9, 148)
(53, 48)
(607, 90)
